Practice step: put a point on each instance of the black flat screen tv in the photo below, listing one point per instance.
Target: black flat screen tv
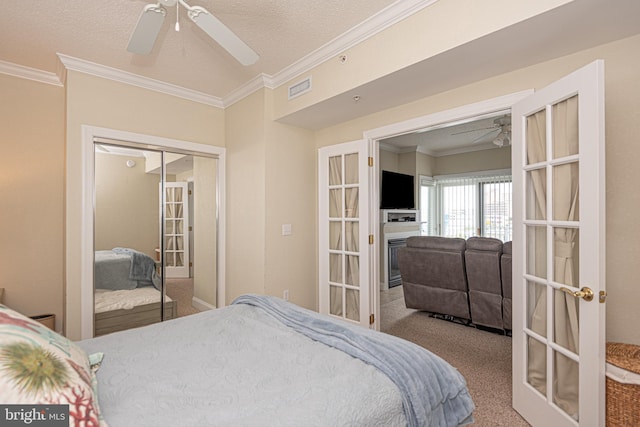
(396, 191)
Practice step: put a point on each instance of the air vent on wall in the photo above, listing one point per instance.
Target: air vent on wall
(300, 88)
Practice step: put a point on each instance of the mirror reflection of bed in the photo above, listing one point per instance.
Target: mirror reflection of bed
(128, 291)
(146, 200)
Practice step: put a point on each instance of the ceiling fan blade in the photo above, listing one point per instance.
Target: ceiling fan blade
(147, 29)
(485, 137)
(222, 35)
(473, 130)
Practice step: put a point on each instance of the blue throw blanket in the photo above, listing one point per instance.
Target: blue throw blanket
(433, 393)
(143, 268)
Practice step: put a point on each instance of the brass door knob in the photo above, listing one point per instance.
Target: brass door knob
(584, 293)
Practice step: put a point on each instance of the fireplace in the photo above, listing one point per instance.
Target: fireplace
(394, 278)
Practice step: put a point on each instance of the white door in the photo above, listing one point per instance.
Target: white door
(559, 252)
(343, 229)
(176, 230)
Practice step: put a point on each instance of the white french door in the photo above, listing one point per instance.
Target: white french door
(343, 229)
(176, 230)
(559, 252)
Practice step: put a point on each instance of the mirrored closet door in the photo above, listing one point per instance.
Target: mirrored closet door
(155, 235)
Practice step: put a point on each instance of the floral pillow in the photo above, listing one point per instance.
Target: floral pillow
(40, 367)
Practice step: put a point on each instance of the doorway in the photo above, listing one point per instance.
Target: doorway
(486, 110)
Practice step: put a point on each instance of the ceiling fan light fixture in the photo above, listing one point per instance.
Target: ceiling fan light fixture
(503, 139)
(222, 35)
(147, 29)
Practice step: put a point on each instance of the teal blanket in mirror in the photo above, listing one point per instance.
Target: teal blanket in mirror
(124, 268)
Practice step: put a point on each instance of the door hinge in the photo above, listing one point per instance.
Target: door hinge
(189, 192)
(371, 239)
(370, 161)
(190, 264)
(190, 228)
(372, 318)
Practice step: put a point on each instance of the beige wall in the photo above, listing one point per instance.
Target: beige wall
(291, 199)
(31, 184)
(245, 196)
(622, 89)
(104, 103)
(126, 204)
(271, 181)
(400, 46)
(477, 161)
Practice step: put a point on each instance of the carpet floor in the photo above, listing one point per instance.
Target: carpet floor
(483, 358)
(181, 290)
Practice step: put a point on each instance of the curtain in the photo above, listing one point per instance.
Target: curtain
(565, 203)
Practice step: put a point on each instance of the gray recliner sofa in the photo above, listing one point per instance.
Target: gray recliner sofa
(433, 275)
(469, 280)
(482, 257)
(506, 265)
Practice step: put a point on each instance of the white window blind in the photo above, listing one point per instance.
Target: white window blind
(465, 206)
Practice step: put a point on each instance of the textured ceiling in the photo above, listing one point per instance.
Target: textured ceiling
(281, 32)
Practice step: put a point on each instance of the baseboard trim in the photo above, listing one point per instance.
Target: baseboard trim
(201, 305)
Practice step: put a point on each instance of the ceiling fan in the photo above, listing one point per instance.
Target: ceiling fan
(152, 17)
(500, 133)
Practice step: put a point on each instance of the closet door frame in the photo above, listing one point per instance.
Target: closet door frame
(83, 267)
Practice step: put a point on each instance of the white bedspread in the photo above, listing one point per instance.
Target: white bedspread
(236, 366)
(106, 300)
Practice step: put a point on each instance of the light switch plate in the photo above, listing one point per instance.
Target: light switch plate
(286, 230)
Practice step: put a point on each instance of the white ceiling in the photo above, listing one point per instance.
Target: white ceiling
(286, 33)
(281, 32)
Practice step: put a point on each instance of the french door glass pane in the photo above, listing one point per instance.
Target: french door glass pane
(335, 268)
(565, 384)
(537, 365)
(536, 247)
(566, 194)
(537, 308)
(566, 257)
(352, 231)
(335, 203)
(335, 170)
(335, 300)
(351, 169)
(352, 270)
(352, 304)
(335, 234)
(536, 140)
(536, 188)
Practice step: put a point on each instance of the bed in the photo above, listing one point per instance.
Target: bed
(117, 310)
(262, 361)
(127, 291)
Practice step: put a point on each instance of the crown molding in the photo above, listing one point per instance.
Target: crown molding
(29, 73)
(368, 28)
(387, 17)
(260, 81)
(98, 70)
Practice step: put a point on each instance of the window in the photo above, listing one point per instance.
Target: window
(427, 206)
(465, 206)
